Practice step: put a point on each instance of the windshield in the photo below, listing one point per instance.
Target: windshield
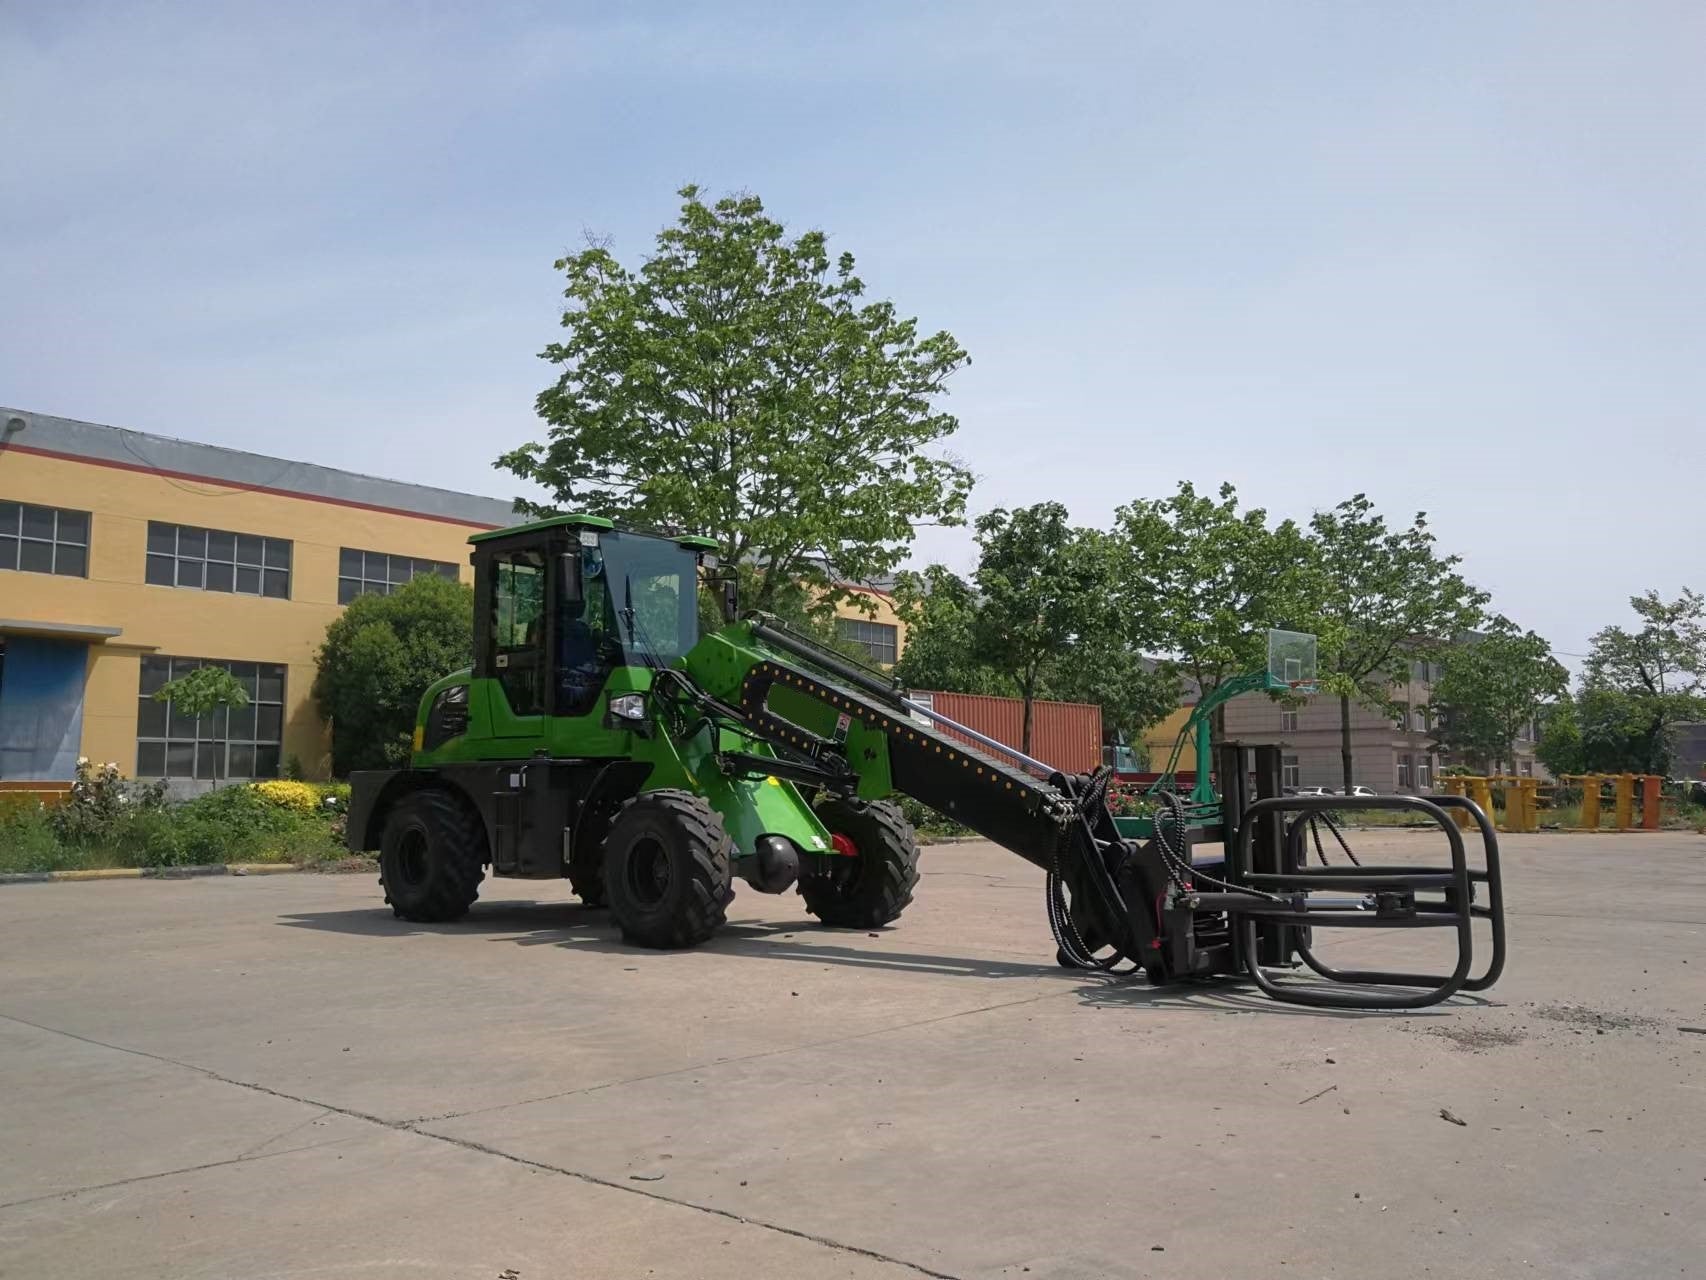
(646, 590)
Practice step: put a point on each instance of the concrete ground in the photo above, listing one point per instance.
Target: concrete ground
(272, 1077)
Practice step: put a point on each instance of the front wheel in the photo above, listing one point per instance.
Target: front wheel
(431, 857)
(668, 868)
(874, 886)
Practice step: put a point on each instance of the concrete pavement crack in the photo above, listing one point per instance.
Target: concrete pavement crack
(245, 1158)
(1576, 915)
(211, 1075)
(839, 1245)
(283, 1133)
(409, 1127)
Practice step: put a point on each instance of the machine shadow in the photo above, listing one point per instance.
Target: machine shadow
(580, 928)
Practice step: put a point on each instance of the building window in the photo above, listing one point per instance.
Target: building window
(1419, 719)
(242, 742)
(1288, 721)
(1291, 774)
(1424, 773)
(374, 573)
(44, 540)
(1404, 763)
(1528, 768)
(877, 639)
(180, 555)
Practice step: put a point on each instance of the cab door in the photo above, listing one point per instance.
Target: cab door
(514, 653)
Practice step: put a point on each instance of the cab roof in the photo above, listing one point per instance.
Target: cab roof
(582, 521)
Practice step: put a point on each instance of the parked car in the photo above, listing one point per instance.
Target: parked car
(1310, 791)
(1354, 791)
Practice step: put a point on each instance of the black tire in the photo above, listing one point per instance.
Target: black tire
(873, 888)
(431, 857)
(668, 869)
(587, 882)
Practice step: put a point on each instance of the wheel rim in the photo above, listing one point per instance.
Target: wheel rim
(412, 857)
(648, 873)
(848, 869)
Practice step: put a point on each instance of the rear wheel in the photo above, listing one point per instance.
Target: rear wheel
(667, 869)
(431, 857)
(873, 886)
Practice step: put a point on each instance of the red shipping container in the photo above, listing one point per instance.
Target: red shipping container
(1067, 735)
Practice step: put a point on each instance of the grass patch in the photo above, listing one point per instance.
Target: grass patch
(109, 822)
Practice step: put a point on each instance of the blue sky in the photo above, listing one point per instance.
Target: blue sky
(1451, 255)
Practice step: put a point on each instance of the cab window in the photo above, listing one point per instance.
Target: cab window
(518, 629)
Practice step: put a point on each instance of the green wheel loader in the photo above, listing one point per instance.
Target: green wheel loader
(598, 737)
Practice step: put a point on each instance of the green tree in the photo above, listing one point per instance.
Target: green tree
(1203, 581)
(378, 658)
(943, 651)
(1646, 681)
(738, 384)
(1046, 593)
(1491, 686)
(940, 610)
(202, 692)
(1386, 596)
(1132, 690)
(1560, 747)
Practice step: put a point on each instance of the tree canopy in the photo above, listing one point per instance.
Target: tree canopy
(1491, 686)
(1641, 683)
(1041, 618)
(1046, 592)
(737, 383)
(940, 609)
(203, 691)
(378, 658)
(1384, 597)
(1203, 581)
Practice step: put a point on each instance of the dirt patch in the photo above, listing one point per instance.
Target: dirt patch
(1580, 1016)
(351, 865)
(1475, 1039)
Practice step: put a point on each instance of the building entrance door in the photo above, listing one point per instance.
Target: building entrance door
(41, 707)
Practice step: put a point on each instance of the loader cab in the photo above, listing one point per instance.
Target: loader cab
(563, 603)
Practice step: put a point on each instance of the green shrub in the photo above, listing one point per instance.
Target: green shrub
(28, 842)
(112, 823)
(927, 821)
(334, 796)
(101, 805)
(241, 824)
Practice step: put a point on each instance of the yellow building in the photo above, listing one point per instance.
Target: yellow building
(128, 558)
(871, 623)
(1158, 740)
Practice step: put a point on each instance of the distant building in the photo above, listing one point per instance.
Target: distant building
(1387, 753)
(1688, 752)
(127, 559)
(871, 622)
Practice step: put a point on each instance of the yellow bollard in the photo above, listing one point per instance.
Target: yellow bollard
(1529, 789)
(1454, 787)
(1652, 792)
(1625, 794)
(1481, 792)
(1590, 801)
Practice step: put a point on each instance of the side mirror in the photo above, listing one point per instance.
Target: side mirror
(569, 589)
(731, 599)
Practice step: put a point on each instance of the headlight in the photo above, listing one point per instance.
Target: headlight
(629, 706)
